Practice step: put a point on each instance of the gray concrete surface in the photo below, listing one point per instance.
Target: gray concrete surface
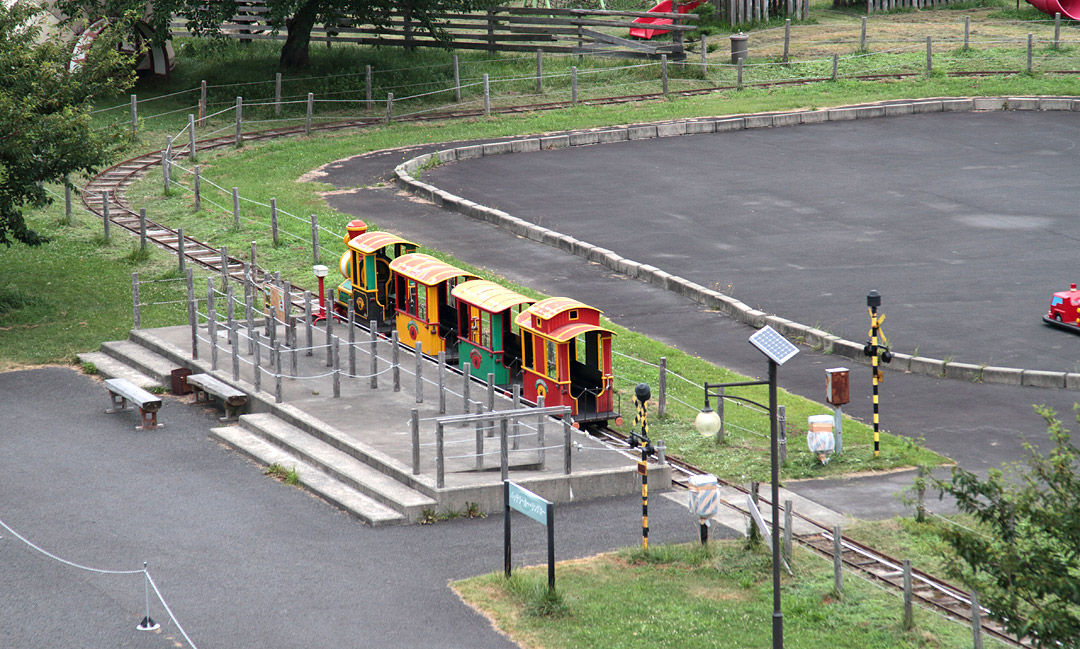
(242, 560)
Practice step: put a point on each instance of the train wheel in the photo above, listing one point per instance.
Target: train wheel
(1057, 316)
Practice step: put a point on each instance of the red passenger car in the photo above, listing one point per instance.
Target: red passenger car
(1063, 309)
(566, 358)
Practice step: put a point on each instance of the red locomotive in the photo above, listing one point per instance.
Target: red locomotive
(1063, 309)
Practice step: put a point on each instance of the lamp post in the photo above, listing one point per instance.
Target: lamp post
(320, 273)
(778, 350)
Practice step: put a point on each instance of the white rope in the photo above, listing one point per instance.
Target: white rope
(169, 611)
(65, 561)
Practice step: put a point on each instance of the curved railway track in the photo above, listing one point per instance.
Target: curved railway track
(108, 187)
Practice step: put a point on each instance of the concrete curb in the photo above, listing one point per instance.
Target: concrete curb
(800, 333)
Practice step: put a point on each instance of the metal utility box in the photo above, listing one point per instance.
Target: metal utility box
(836, 386)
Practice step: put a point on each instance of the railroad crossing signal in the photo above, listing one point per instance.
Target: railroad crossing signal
(875, 351)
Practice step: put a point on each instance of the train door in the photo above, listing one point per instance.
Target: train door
(511, 342)
(586, 371)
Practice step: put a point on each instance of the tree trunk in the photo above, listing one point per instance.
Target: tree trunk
(294, 53)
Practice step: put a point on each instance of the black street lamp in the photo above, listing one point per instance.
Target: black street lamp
(778, 350)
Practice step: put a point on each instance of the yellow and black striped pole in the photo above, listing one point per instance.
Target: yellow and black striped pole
(641, 422)
(873, 301)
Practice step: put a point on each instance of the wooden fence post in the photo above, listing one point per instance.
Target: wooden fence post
(573, 85)
(862, 36)
(315, 244)
(389, 106)
(929, 57)
(976, 621)
(273, 222)
(198, 189)
(277, 94)
(236, 207)
(191, 138)
(663, 74)
(540, 71)
(367, 85)
(309, 113)
(487, 96)
(838, 562)
(787, 34)
(134, 115)
(909, 614)
(457, 80)
(203, 106)
(661, 391)
(239, 121)
(105, 218)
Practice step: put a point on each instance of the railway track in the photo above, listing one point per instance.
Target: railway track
(105, 192)
(927, 590)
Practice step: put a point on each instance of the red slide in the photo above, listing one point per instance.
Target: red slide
(664, 8)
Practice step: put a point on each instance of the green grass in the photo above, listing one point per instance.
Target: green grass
(684, 597)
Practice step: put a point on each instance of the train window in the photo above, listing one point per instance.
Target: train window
(527, 348)
(573, 314)
(450, 284)
(579, 348)
(485, 329)
(515, 311)
(421, 300)
(552, 360)
(357, 270)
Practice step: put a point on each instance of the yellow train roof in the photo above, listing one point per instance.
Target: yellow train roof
(551, 307)
(370, 242)
(488, 295)
(426, 269)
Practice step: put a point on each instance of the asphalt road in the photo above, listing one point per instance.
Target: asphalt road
(242, 560)
(964, 222)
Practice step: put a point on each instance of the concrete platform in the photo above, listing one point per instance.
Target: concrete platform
(363, 437)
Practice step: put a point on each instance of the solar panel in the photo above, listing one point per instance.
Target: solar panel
(772, 344)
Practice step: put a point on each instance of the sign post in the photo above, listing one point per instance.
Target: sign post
(542, 511)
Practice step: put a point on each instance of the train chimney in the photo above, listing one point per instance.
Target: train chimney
(357, 227)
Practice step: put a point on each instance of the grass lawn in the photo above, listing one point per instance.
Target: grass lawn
(685, 597)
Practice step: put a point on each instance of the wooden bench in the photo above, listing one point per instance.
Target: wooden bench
(121, 391)
(207, 386)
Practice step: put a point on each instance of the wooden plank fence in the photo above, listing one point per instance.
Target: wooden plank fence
(499, 29)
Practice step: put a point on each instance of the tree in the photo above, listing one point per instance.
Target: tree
(45, 130)
(1024, 561)
(297, 16)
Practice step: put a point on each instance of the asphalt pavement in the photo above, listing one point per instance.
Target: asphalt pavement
(241, 559)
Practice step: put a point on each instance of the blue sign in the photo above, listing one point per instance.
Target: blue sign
(528, 503)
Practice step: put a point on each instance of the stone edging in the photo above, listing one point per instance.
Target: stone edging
(711, 299)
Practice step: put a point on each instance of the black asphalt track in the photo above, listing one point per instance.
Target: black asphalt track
(242, 560)
(980, 426)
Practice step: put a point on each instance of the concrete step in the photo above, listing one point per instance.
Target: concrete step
(142, 359)
(311, 478)
(112, 368)
(340, 465)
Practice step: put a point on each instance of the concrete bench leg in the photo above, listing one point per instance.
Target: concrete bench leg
(119, 403)
(149, 420)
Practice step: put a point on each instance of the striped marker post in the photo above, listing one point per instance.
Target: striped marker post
(873, 301)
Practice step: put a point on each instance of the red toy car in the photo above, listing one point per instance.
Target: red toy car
(1063, 309)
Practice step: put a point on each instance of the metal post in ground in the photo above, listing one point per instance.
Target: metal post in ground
(540, 434)
(193, 316)
(414, 421)
(105, 218)
(147, 623)
(442, 383)
(256, 337)
(329, 323)
(308, 325)
(191, 138)
(278, 396)
(539, 71)
(273, 221)
(142, 228)
(277, 94)
(909, 613)
(239, 121)
(198, 189)
(136, 319)
(337, 368)
(838, 561)
(309, 113)
(419, 356)
(315, 241)
(440, 458)
(457, 80)
(516, 405)
(211, 332)
(781, 429)
(236, 207)
(504, 452)
(166, 158)
(396, 371)
(373, 327)
(487, 96)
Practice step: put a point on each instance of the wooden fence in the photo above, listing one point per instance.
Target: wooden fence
(499, 29)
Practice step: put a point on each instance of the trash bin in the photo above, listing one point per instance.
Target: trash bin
(179, 381)
(820, 437)
(740, 46)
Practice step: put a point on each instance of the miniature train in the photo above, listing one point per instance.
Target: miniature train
(1064, 312)
(553, 348)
